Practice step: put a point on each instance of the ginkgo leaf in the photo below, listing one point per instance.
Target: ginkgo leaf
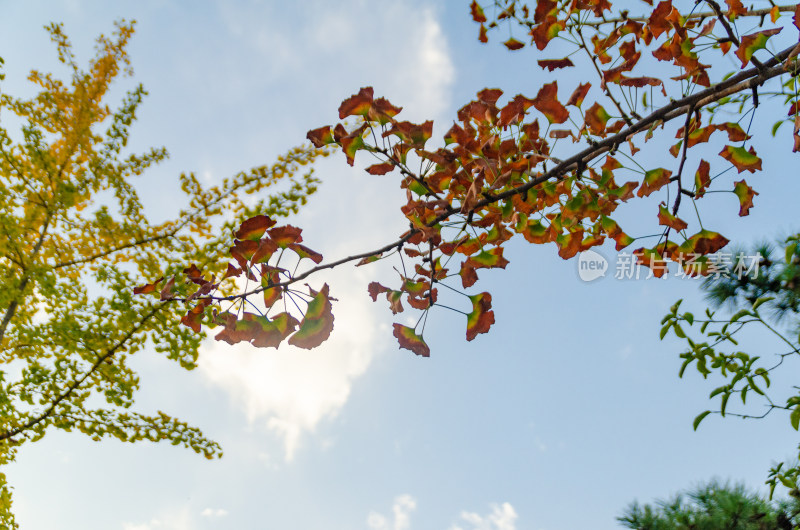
(148, 288)
(614, 231)
(266, 248)
(745, 194)
(477, 12)
(321, 137)
(283, 236)
(272, 332)
(481, 318)
(665, 218)
(742, 159)
(369, 259)
(317, 324)
(579, 94)
(702, 179)
(304, 252)
(271, 276)
(569, 244)
(513, 44)
(704, 242)
(380, 169)
(193, 318)
(654, 180)
(357, 104)
(596, 118)
(547, 103)
(754, 42)
(554, 64)
(409, 340)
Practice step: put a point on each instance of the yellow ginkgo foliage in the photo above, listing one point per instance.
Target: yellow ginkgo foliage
(75, 238)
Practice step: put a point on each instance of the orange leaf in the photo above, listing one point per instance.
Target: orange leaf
(547, 103)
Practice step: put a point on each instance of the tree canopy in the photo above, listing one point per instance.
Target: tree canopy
(75, 237)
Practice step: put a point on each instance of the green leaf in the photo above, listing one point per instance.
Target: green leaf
(700, 418)
(740, 314)
(762, 300)
(795, 417)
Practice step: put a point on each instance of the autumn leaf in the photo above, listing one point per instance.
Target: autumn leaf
(704, 242)
(317, 324)
(546, 103)
(380, 169)
(702, 180)
(271, 332)
(654, 180)
(477, 12)
(579, 94)
(513, 44)
(410, 340)
(613, 230)
(745, 194)
(754, 42)
(283, 236)
(742, 159)
(321, 137)
(358, 104)
(481, 318)
(596, 119)
(303, 251)
(148, 288)
(665, 218)
(555, 64)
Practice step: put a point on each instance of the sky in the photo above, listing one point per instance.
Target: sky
(567, 411)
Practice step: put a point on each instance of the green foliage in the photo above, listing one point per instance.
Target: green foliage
(75, 237)
(713, 506)
(766, 296)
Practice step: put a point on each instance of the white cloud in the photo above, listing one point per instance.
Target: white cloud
(502, 517)
(428, 70)
(211, 512)
(292, 390)
(402, 508)
(175, 520)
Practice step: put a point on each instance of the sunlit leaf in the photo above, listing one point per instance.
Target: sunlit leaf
(410, 340)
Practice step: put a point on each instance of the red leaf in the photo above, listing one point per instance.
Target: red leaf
(667, 219)
(357, 105)
(254, 227)
(702, 180)
(477, 12)
(321, 137)
(735, 8)
(192, 319)
(547, 103)
(317, 324)
(513, 44)
(148, 288)
(374, 289)
(481, 318)
(554, 64)
(745, 194)
(410, 340)
(742, 159)
(654, 180)
(380, 169)
(305, 252)
(283, 236)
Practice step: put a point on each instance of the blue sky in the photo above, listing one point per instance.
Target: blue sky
(568, 410)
